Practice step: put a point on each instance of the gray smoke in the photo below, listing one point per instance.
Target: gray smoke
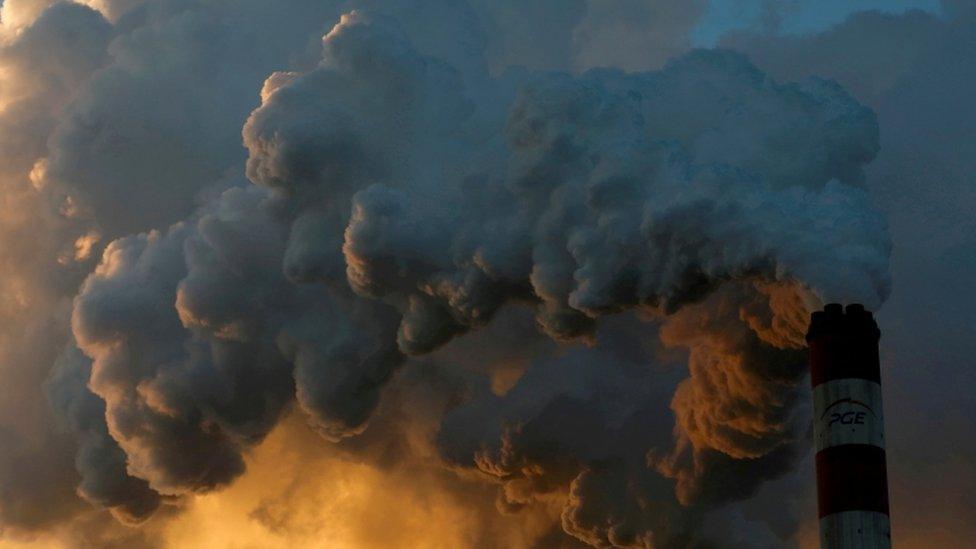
(602, 278)
(579, 197)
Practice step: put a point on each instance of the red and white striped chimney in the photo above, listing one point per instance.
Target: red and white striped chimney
(848, 426)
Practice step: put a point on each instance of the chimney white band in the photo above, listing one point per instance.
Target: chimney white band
(847, 411)
(861, 529)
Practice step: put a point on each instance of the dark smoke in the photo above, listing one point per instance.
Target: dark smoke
(601, 279)
(577, 197)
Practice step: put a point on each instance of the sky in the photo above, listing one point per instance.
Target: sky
(791, 17)
(474, 273)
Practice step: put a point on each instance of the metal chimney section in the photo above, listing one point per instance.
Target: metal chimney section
(848, 426)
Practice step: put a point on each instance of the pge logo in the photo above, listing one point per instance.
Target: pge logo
(849, 417)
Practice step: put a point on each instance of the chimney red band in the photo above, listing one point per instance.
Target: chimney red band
(843, 346)
(852, 477)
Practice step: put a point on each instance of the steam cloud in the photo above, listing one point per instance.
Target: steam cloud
(552, 245)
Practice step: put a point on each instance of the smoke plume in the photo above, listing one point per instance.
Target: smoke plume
(582, 293)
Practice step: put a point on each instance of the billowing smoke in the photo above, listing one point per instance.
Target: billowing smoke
(594, 284)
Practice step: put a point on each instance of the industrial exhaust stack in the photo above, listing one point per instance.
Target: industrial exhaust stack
(852, 479)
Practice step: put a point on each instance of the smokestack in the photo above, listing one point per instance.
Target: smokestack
(852, 479)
